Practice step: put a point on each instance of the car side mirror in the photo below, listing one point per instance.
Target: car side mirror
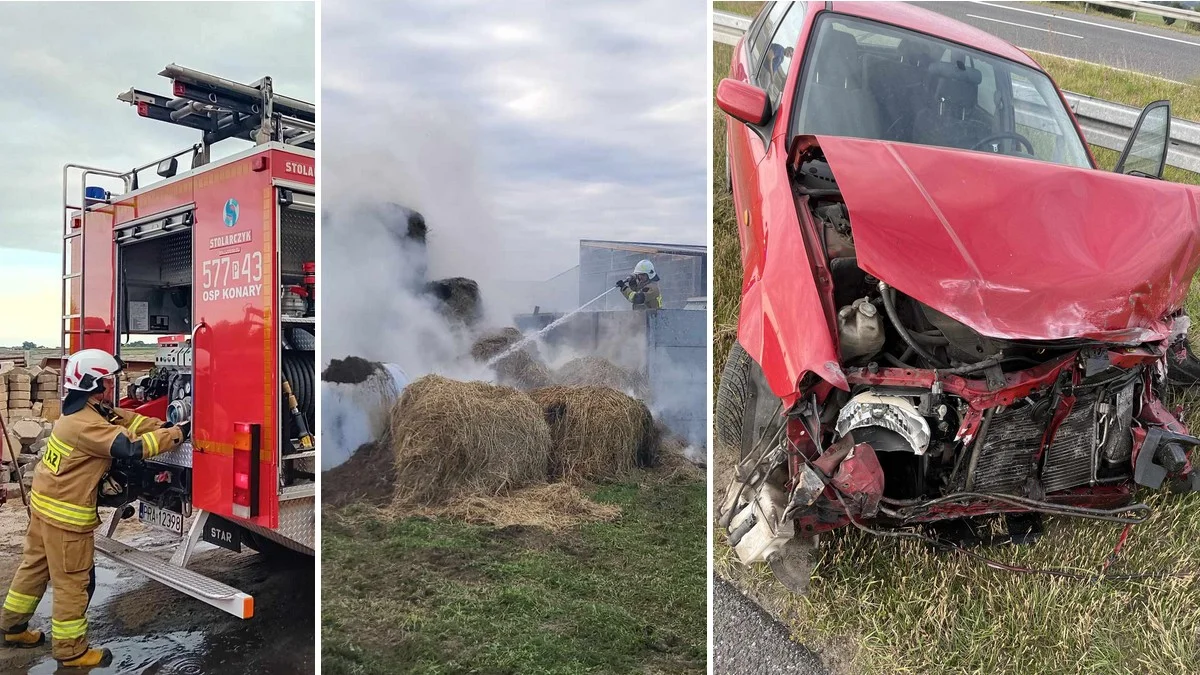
(743, 102)
(1145, 152)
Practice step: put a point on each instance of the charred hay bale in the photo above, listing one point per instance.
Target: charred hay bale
(597, 433)
(456, 439)
(520, 369)
(459, 298)
(595, 371)
(350, 370)
(416, 228)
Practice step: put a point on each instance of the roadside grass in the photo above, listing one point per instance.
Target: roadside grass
(906, 609)
(1119, 86)
(422, 596)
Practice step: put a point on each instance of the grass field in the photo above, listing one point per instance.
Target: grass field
(908, 610)
(422, 596)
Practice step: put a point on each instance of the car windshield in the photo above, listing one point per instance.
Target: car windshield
(869, 80)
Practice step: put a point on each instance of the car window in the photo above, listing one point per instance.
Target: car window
(766, 30)
(777, 58)
(870, 80)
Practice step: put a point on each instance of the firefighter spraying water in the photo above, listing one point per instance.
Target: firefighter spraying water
(641, 287)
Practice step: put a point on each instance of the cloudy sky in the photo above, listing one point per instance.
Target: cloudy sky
(61, 68)
(519, 127)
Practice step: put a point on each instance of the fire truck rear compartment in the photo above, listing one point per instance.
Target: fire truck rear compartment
(155, 283)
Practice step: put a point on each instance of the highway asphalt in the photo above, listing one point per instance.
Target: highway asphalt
(747, 641)
(1094, 37)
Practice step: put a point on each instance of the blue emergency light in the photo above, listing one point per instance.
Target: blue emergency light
(95, 194)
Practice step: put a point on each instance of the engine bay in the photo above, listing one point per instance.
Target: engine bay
(942, 422)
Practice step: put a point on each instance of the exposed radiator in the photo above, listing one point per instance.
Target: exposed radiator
(1013, 439)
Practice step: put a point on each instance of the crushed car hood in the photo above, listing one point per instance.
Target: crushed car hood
(1017, 248)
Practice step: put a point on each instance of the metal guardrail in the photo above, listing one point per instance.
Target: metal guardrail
(1105, 124)
(1149, 8)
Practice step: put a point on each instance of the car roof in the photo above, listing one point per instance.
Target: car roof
(914, 18)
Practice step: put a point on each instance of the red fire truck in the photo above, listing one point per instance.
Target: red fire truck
(217, 264)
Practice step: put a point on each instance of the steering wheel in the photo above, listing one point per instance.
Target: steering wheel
(1005, 134)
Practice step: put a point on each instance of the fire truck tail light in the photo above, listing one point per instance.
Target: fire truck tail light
(246, 444)
(178, 88)
(143, 109)
(259, 164)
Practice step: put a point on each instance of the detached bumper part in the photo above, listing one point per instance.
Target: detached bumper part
(757, 530)
(1164, 453)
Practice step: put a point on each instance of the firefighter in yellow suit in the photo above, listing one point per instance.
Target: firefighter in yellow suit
(59, 543)
(641, 288)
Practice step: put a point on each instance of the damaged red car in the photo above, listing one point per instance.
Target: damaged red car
(948, 310)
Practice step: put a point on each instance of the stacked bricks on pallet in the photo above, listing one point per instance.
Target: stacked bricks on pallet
(46, 394)
(20, 394)
(47, 385)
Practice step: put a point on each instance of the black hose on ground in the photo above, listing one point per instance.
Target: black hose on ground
(889, 306)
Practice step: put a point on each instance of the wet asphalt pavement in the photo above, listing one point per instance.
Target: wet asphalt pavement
(747, 641)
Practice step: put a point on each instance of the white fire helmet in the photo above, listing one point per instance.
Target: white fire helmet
(644, 267)
(86, 367)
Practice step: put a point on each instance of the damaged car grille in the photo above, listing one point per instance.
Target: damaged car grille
(1013, 439)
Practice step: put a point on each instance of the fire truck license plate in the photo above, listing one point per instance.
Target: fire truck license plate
(162, 518)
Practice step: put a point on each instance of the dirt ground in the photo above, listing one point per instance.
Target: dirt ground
(153, 629)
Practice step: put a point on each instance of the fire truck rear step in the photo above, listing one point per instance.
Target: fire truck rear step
(204, 589)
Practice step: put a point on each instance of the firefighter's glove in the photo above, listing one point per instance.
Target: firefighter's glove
(622, 284)
(185, 430)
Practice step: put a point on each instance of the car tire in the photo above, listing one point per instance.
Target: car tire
(746, 408)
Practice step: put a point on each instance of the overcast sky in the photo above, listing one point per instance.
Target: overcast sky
(520, 127)
(61, 68)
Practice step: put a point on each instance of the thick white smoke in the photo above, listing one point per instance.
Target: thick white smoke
(373, 305)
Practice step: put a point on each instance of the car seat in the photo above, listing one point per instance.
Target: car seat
(950, 119)
(898, 86)
(836, 103)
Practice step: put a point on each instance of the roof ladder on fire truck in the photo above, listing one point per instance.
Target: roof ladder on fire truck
(222, 108)
(74, 217)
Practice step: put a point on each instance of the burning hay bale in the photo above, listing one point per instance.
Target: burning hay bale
(492, 344)
(459, 297)
(597, 433)
(521, 369)
(457, 439)
(597, 372)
